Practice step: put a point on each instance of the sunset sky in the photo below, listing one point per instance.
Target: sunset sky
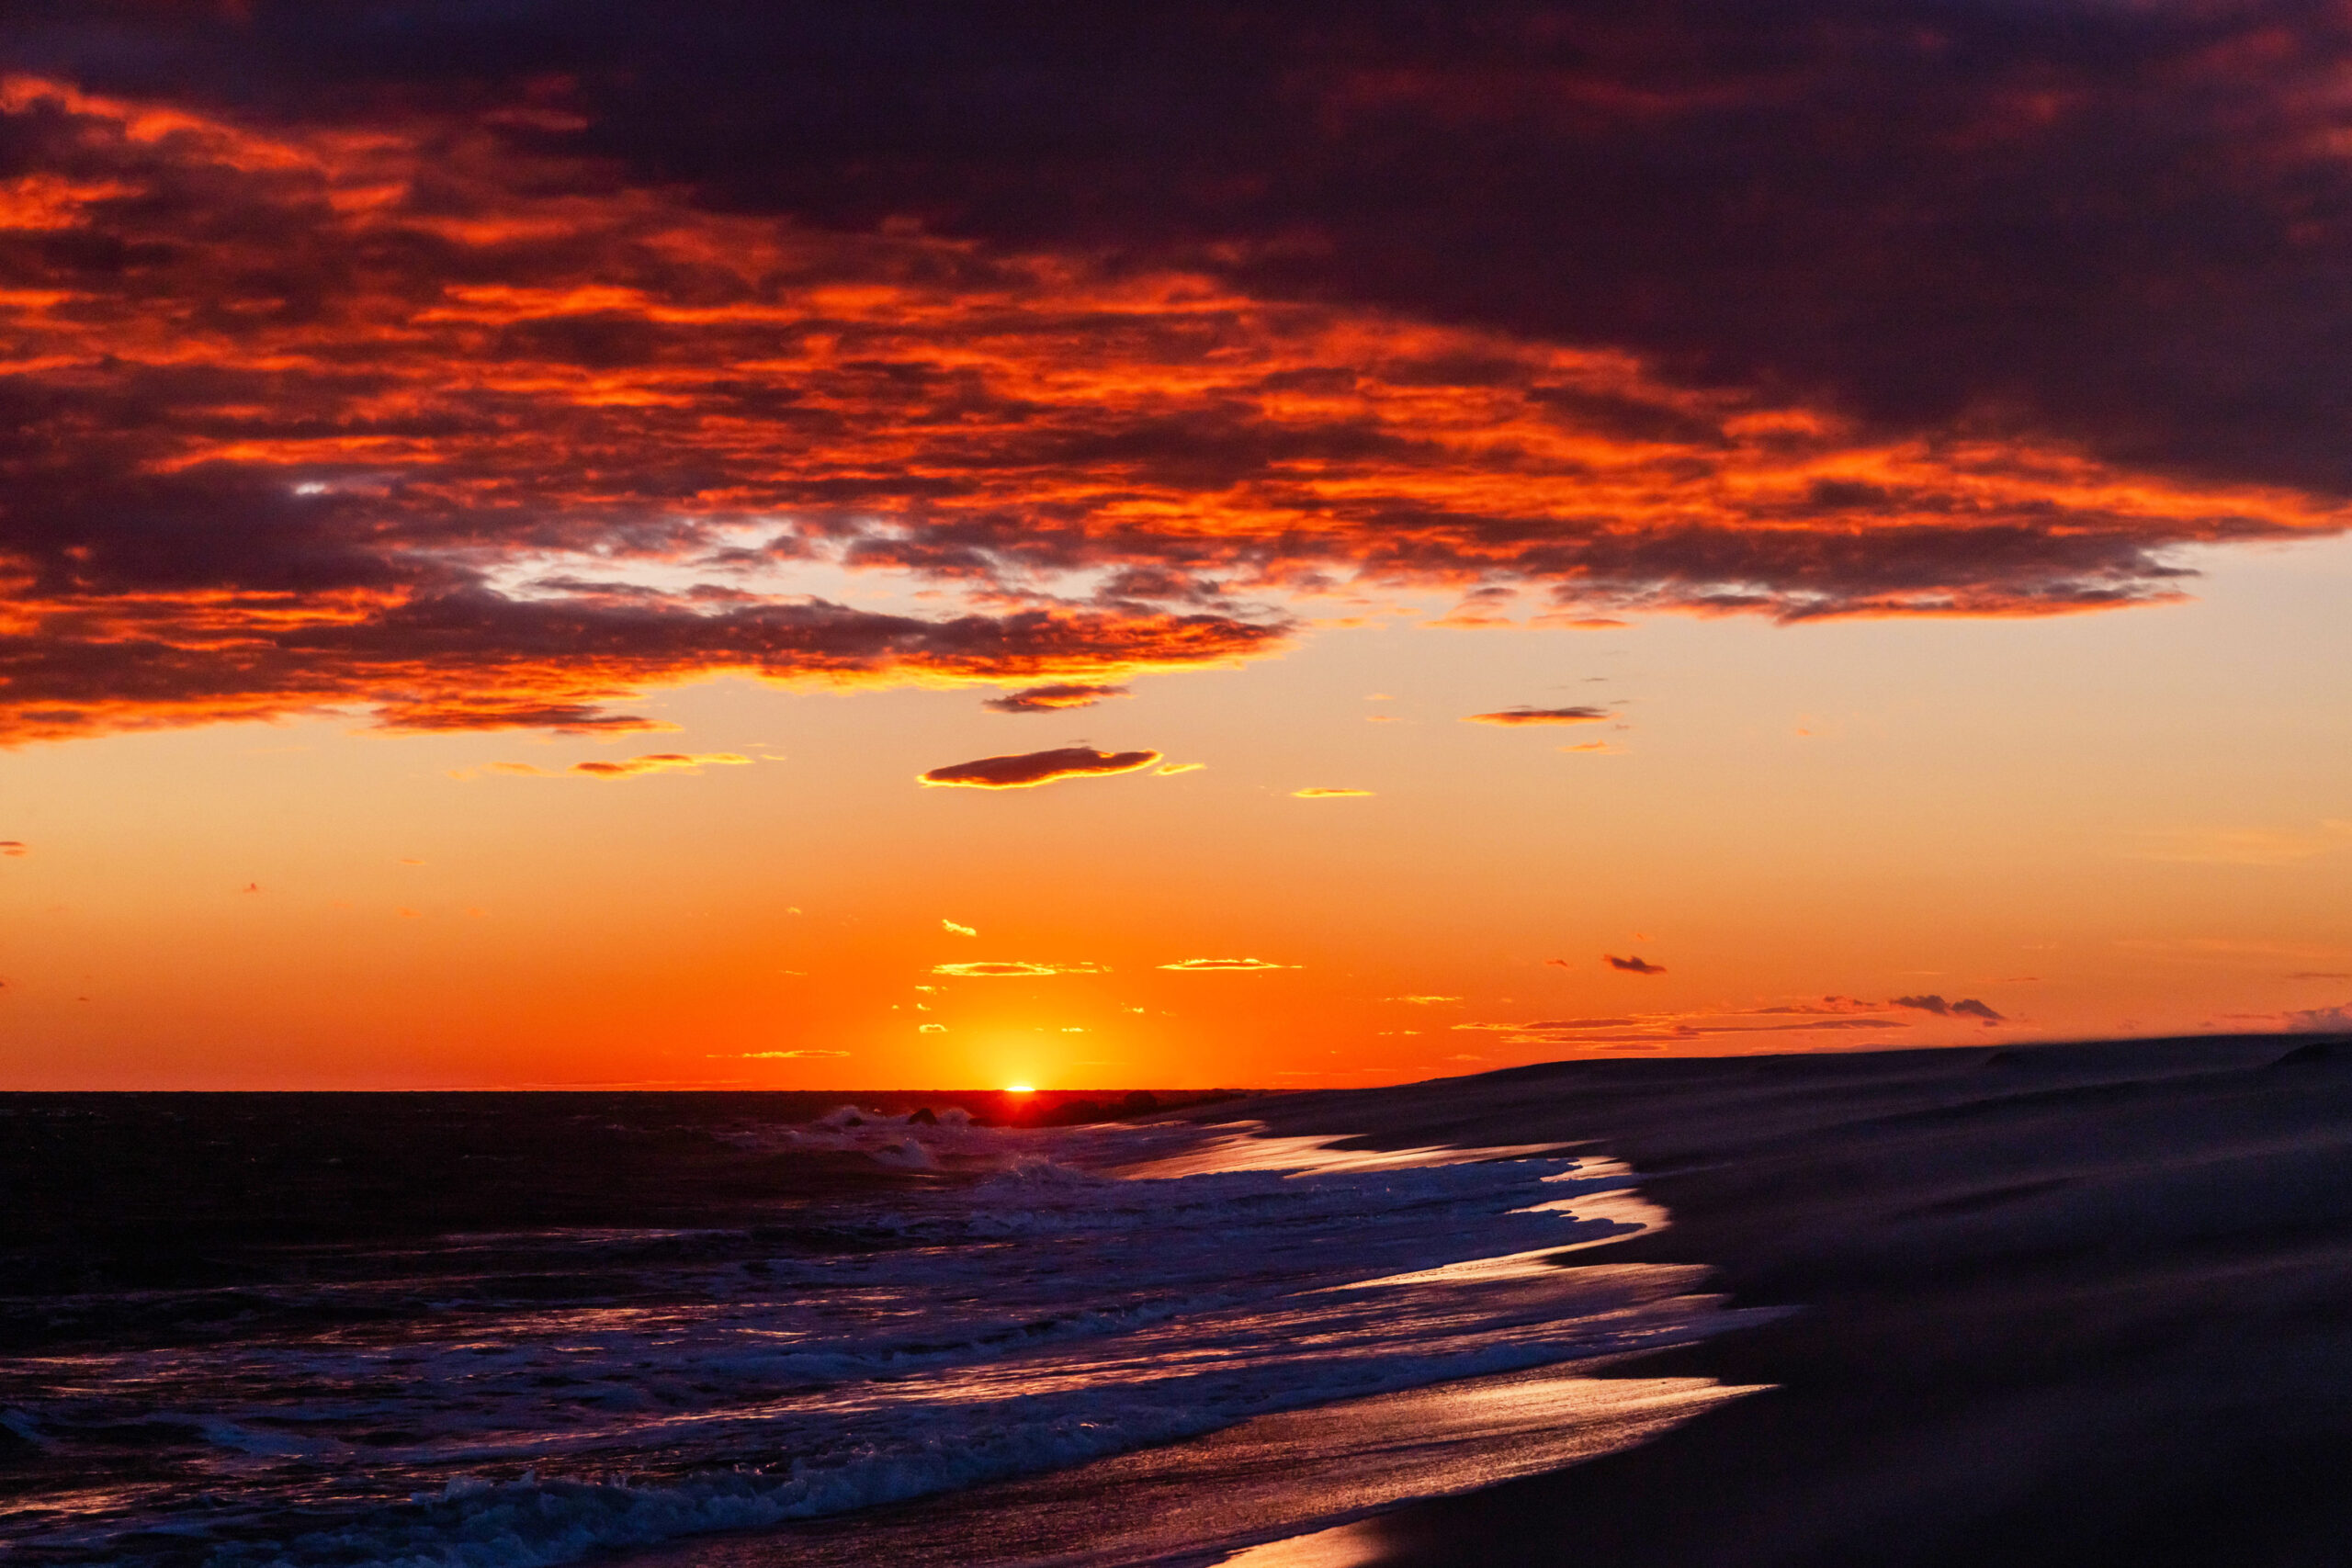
(919, 545)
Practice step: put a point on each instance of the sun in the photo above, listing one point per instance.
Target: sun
(1019, 1088)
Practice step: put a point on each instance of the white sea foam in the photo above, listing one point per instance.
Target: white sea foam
(1042, 1315)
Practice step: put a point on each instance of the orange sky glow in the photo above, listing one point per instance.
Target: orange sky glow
(478, 609)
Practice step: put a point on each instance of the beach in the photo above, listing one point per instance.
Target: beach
(2067, 1304)
(2062, 1304)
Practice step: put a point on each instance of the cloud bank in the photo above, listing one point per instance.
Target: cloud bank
(474, 370)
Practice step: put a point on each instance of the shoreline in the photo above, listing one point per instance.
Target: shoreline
(2061, 1304)
(2056, 1305)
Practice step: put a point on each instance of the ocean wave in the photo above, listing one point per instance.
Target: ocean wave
(1038, 1313)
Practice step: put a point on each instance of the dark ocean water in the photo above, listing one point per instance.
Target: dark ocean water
(525, 1329)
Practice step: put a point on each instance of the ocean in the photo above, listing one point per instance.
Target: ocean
(521, 1330)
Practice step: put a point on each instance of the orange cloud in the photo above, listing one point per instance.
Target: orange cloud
(1029, 769)
(625, 768)
(954, 930)
(1540, 715)
(15, 847)
(1055, 697)
(1169, 769)
(1320, 794)
(658, 762)
(1223, 965)
(554, 351)
(1015, 969)
(776, 1055)
(467, 435)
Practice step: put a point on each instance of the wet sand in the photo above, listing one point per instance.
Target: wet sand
(2071, 1305)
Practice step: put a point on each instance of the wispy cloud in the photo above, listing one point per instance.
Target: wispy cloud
(773, 1055)
(1028, 769)
(1965, 1007)
(1540, 715)
(627, 768)
(1660, 1028)
(2243, 846)
(1421, 1001)
(1319, 793)
(1634, 963)
(2337, 1020)
(952, 929)
(15, 847)
(1222, 965)
(1013, 969)
(1054, 698)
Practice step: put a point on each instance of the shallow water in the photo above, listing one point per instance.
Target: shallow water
(1056, 1297)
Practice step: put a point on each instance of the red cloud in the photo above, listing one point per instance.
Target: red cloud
(412, 414)
(1028, 769)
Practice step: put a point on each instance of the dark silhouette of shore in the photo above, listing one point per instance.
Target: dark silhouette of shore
(2065, 1305)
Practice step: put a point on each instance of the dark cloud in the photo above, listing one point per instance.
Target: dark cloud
(434, 345)
(1634, 964)
(1967, 1006)
(1030, 768)
(2072, 215)
(1540, 715)
(1049, 699)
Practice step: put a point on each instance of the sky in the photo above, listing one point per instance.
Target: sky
(913, 544)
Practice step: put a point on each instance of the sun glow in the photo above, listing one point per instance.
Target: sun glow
(1019, 1088)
